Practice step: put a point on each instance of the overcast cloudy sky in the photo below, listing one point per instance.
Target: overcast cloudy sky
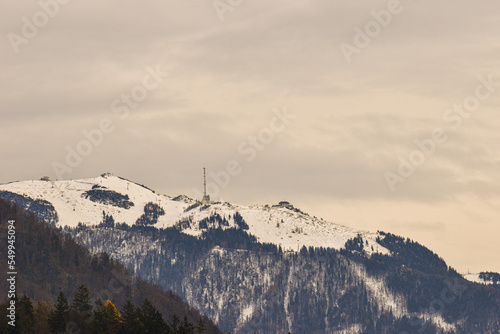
(355, 89)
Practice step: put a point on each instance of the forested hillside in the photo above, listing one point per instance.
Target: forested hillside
(49, 263)
(248, 287)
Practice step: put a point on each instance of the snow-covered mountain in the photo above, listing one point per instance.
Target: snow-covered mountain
(241, 265)
(282, 224)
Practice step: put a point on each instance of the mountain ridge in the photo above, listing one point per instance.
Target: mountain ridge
(268, 269)
(281, 224)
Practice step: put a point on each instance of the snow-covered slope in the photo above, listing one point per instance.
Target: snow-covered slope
(475, 278)
(73, 208)
(487, 278)
(280, 224)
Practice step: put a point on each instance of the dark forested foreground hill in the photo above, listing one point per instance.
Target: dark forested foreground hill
(49, 262)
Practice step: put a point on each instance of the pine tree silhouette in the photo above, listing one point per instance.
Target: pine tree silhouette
(26, 316)
(59, 317)
(131, 323)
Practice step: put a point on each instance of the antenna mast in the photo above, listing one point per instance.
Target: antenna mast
(206, 198)
(204, 182)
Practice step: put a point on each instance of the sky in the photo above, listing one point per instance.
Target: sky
(378, 115)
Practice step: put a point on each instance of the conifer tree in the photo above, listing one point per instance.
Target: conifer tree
(131, 323)
(175, 323)
(81, 302)
(200, 328)
(107, 319)
(26, 316)
(59, 317)
(81, 310)
(152, 319)
(98, 324)
(186, 327)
